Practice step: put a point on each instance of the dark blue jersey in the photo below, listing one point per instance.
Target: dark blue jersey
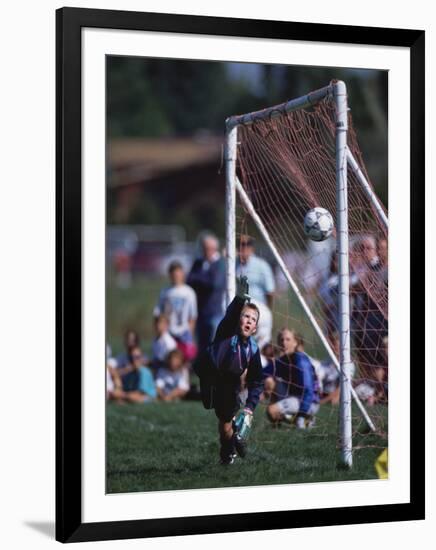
(366, 315)
(269, 369)
(208, 279)
(231, 356)
(295, 376)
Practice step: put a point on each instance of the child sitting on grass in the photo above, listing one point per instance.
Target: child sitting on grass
(172, 380)
(163, 342)
(296, 388)
(137, 380)
(114, 386)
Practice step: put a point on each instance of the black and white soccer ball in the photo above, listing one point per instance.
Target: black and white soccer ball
(318, 224)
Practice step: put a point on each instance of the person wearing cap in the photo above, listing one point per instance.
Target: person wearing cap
(179, 304)
(262, 285)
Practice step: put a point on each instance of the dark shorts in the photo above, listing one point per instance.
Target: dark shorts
(226, 401)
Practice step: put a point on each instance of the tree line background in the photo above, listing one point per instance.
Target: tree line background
(165, 99)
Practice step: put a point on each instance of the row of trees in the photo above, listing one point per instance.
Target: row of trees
(161, 98)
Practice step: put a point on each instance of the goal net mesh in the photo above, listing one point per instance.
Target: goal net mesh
(286, 165)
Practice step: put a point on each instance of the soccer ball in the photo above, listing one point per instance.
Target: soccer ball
(318, 224)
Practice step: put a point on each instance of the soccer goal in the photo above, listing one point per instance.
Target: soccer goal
(281, 162)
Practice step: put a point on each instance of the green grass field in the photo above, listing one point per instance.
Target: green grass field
(170, 446)
(132, 308)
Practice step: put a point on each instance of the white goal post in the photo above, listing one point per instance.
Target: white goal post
(337, 92)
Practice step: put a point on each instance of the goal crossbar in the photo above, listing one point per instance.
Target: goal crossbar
(309, 100)
(303, 102)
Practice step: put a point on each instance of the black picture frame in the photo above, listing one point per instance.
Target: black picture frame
(69, 22)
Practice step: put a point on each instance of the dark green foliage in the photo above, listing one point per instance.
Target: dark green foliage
(133, 107)
(162, 97)
(165, 98)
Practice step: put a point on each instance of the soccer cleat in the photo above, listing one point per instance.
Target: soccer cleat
(227, 453)
(310, 422)
(300, 423)
(289, 418)
(227, 460)
(240, 445)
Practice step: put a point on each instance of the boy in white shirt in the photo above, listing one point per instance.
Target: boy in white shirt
(179, 304)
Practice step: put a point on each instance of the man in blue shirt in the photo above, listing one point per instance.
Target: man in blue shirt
(232, 354)
(368, 324)
(208, 279)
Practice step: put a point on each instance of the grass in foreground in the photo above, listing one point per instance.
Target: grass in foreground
(175, 446)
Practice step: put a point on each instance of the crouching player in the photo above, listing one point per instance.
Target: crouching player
(233, 354)
(296, 389)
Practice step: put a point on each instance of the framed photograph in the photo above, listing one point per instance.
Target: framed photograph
(235, 346)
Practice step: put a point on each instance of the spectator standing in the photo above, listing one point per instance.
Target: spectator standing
(208, 279)
(262, 286)
(382, 250)
(370, 326)
(123, 268)
(179, 304)
(329, 294)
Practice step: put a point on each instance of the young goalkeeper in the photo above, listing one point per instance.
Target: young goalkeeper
(232, 354)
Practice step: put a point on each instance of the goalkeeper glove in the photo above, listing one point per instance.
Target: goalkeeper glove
(243, 423)
(242, 288)
(242, 426)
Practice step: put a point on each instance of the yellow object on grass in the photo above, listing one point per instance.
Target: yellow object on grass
(381, 465)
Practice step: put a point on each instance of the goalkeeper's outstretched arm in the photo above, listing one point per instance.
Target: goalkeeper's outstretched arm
(229, 324)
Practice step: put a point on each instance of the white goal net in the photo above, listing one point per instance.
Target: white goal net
(282, 162)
